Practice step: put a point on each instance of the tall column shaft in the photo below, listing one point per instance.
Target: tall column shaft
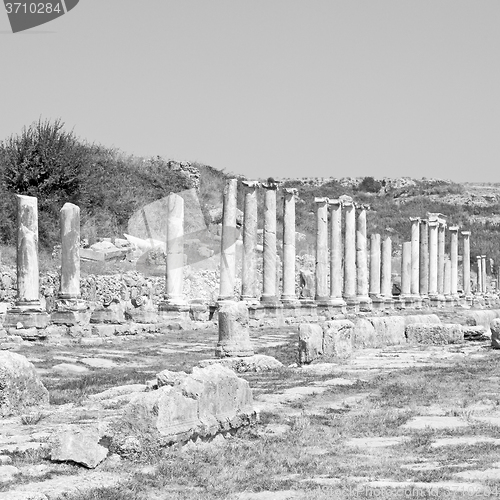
(479, 275)
(466, 263)
(406, 270)
(27, 252)
(386, 287)
(415, 255)
(424, 258)
(454, 261)
(321, 249)
(441, 254)
(336, 250)
(228, 241)
(350, 251)
(362, 256)
(433, 258)
(70, 252)
(175, 250)
(289, 195)
(249, 264)
(269, 293)
(374, 265)
(447, 278)
(485, 275)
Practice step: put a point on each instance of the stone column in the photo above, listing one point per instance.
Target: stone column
(28, 308)
(288, 294)
(485, 275)
(441, 257)
(374, 290)
(447, 282)
(69, 308)
(386, 285)
(350, 255)
(234, 337)
(270, 293)
(424, 260)
(466, 266)
(479, 275)
(415, 260)
(249, 264)
(336, 255)
(364, 300)
(228, 242)
(433, 262)
(454, 263)
(322, 295)
(406, 297)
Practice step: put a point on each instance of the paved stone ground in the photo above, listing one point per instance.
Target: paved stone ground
(47, 480)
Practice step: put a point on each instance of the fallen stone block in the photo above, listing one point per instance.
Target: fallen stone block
(103, 330)
(79, 444)
(364, 334)
(255, 363)
(310, 342)
(495, 334)
(482, 318)
(389, 330)
(338, 339)
(433, 334)
(474, 333)
(20, 386)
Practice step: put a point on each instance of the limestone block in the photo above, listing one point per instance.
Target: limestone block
(310, 342)
(389, 330)
(434, 334)
(255, 363)
(338, 338)
(483, 318)
(474, 332)
(495, 334)
(20, 386)
(103, 330)
(111, 313)
(79, 444)
(432, 319)
(364, 334)
(234, 338)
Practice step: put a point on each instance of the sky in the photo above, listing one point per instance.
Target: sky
(281, 88)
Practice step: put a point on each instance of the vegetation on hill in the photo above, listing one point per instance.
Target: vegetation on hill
(48, 162)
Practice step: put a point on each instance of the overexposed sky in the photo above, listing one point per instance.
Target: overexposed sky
(281, 88)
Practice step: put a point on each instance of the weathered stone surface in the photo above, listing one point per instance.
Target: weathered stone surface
(495, 333)
(364, 333)
(432, 319)
(474, 332)
(79, 444)
(255, 363)
(68, 369)
(234, 338)
(389, 330)
(310, 342)
(209, 400)
(103, 330)
(114, 312)
(20, 386)
(118, 391)
(338, 338)
(482, 318)
(434, 334)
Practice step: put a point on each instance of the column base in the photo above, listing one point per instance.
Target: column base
(30, 316)
(365, 304)
(399, 302)
(436, 301)
(417, 302)
(352, 304)
(388, 303)
(308, 308)
(378, 302)
(169, 310)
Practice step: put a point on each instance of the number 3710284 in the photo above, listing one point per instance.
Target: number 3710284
(32, 8)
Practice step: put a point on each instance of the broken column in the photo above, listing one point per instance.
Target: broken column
(454, 263)
(433, 262)
(234, 337)
(424, 261)
(28, 308)
(466, 267)
(322, 296)
(364, 300)
(70, 309)
(406, 297)
(228, 242)
(249, 264)
(174, 303)
(375, 291)
(415, 260)
(386, 279)
(337, 302)
(350, 255)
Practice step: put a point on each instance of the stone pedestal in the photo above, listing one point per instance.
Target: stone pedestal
(249, 264)
(234, 338)
(228, 242)
(269, 292)
(28, 308)
(350, 255)
(365, 303)
(288, 294)
(337, 302)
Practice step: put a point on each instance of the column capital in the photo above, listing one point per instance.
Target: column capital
(335, 202)
(465, 233)
(433, 223)
(251, 184)
(269, 185)
(291, 191)
(453, 228)
(321, 200)
(362, 206)
(415, 219)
